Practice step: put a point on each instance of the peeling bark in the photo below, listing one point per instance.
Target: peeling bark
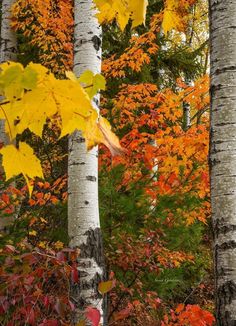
(223, 155)
(83, 211)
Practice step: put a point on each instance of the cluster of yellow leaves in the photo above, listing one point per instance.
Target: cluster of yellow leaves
(122, 11)
(32, 95)
(176, 14)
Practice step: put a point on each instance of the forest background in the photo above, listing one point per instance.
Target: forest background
(154, 198)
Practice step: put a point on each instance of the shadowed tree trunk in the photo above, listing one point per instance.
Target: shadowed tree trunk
(83, 211)
(223, 155)
(7, 53)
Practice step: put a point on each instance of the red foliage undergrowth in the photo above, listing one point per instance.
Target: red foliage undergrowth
(34, 286)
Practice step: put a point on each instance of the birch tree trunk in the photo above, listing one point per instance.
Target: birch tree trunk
(83, 211)
(186, 111)
(8, 38)
(8, 52)
(188, 82)
(223, 155)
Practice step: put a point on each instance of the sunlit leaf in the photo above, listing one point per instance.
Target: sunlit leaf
(109, 138)
(122, 11)
(21, 161)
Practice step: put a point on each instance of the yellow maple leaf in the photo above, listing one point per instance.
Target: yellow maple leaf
(71, 101)
(30, 112)
(14, 79)
(109, 138)
(40, 96)
(21, 161)
(48, 97)
(138, 9)
(91, 133)
(122, 11)
(172, 17)
(74, 106)
(93, 82)
(99, 132)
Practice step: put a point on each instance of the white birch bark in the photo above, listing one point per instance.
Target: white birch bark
(8, 52)
(7, 46)
(187, 110)
(83, 211)
(186, 105)
(8, 38)
(223, 155)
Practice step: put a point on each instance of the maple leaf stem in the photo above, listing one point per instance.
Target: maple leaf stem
(88, 86)
(81, 115)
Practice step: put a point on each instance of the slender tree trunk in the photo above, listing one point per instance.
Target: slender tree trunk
(83, 211)
(188, 82)
(7, 53)
(187, 110)
(223, 155)
(186, 116)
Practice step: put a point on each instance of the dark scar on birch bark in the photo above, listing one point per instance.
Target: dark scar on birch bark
(91, 178)
(81, 303)
(225, 294)
(93, 247)
(227, 245)
(221, 227)
(96, 42)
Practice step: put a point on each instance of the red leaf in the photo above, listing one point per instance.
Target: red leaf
(9, 210)
(60, 308)
(72, 306)
(61, 257)
(46, 301)
(31, 317)
(122, 314)
(75, 275)
(30, 258)
(29, 280)
(6, 198)
(93, 315)
(179, 308)
(10, 248)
